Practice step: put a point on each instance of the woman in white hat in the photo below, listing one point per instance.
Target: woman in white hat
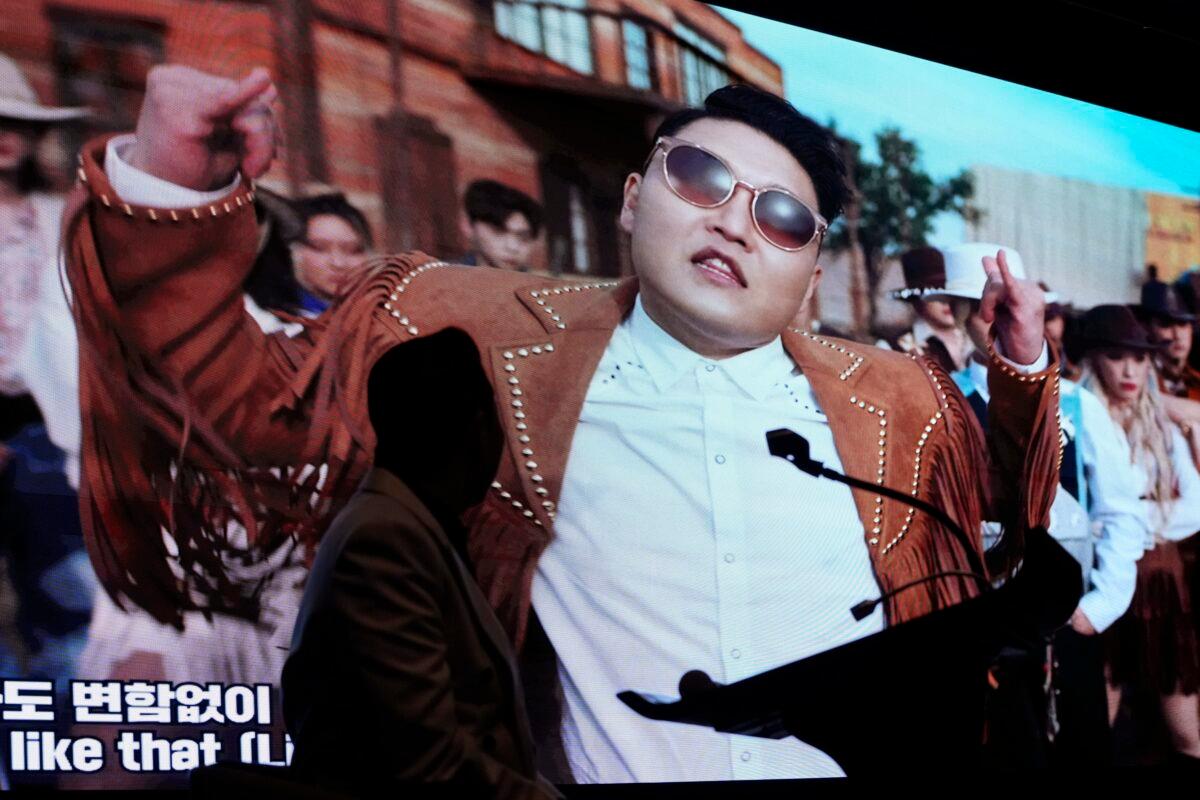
(39, 514)
(31, 295)
(37, 336)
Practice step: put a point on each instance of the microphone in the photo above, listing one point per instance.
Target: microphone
(696, 681)
(792, 447)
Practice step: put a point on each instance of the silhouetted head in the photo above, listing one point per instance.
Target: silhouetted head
(435, 421)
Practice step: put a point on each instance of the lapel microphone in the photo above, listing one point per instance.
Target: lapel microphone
(792, 447)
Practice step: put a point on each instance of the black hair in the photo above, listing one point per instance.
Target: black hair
(337, 205)
(272, 280)
(30, 177)
(494, 202)
(813, 146)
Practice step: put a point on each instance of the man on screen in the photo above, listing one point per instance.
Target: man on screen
(637, 526)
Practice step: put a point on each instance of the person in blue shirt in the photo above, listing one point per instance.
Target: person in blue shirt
(310, 251)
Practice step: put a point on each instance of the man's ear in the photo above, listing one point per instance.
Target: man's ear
(813, 283)
(633, 187)
(803, 318)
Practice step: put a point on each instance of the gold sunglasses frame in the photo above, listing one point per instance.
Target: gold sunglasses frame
(669, 143)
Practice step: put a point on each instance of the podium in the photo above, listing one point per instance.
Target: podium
(909, 698)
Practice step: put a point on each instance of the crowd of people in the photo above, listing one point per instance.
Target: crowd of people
(680, 378)
(1128, 505)
(57, 623)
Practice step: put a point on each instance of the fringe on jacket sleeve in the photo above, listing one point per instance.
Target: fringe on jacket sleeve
(177, 495)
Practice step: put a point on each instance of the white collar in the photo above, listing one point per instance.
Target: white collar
(666, 359)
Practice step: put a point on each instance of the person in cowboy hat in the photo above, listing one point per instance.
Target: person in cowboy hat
(1155, 644)
(29, 227)
(1095, 490)
(1173, 325)
(936, 332)
(39, 475)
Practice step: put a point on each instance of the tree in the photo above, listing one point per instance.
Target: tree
(892, 210)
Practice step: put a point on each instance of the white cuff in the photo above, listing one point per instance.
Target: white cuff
(1043, 360)
(1099, 610)
(143, 189)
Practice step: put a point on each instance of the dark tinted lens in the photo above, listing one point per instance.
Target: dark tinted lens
(697, 177)
(784, 220)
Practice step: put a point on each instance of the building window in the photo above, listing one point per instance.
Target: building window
(639, 72)
(700, 61)
(582, 203)
(559, 29)
(580, 239)
(102, 64)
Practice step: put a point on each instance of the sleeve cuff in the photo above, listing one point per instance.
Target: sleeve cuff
(1043, 360)
(1094, 608)
(133, 185)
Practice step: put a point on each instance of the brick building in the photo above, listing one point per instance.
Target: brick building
(403, 103)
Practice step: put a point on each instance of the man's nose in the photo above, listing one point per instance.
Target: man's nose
(732, 218)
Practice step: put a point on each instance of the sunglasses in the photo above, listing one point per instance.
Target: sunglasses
(703, 179)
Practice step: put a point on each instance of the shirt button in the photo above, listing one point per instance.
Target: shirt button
(720, 459)
(729, 558)
(735, 653)
(745, 755)
(709, 367)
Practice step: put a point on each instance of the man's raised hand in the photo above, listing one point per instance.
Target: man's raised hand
(196, 130)
(1016, 307)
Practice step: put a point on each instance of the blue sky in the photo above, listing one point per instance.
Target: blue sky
(959, 118)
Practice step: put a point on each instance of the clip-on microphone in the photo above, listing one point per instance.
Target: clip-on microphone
(792, 447)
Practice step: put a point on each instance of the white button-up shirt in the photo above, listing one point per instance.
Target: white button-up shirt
(681, 544)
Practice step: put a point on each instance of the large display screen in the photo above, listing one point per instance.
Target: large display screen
(226, 228)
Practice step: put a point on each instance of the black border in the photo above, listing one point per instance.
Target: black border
(1142, 58)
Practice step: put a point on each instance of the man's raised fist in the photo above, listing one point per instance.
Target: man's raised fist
(196, 130)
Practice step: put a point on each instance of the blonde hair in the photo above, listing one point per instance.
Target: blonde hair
(1148, 430)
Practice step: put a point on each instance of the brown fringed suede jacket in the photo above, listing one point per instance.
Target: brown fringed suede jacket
(192, 416)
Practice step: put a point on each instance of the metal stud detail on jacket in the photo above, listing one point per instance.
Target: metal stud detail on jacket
(855, 359)
(389, 305)
(921, 442)
(512, 358)
(881, 415)
(543, 296)
(1038, 378)
(1062, 442)
(517, 504)
(222, 209)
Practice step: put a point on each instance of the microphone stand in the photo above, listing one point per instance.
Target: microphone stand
(794, 448)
